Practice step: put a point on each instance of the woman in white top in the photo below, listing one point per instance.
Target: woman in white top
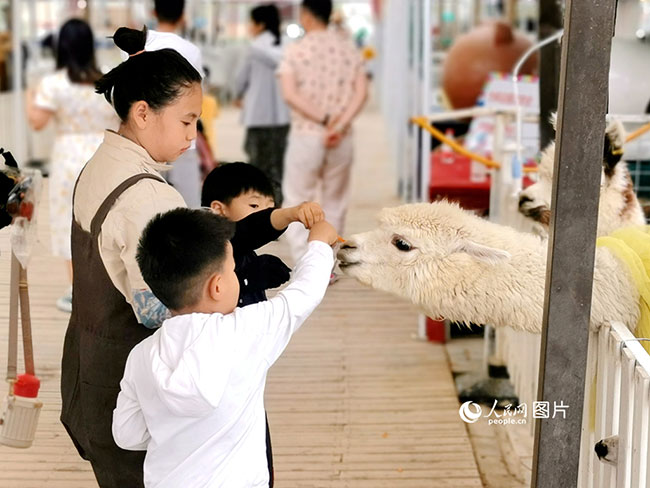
(81, 115)
(265, 113)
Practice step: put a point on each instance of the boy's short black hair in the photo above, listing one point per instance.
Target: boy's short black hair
(321, 9)
(169, 10)
(230, 180)
(177, 252)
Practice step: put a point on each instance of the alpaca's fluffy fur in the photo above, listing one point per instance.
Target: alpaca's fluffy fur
(618, 205)
(469, 270)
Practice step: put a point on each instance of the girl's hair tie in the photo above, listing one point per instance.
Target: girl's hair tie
(135, 54)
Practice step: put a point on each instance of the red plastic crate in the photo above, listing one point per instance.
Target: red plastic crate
(452, 181)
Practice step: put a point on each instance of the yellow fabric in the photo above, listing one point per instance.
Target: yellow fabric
(210, 111)
(632, 246)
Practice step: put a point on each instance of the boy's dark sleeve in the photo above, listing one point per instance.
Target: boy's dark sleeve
(267, 271)
(254, 232)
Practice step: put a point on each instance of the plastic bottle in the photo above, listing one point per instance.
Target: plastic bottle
(20, 413)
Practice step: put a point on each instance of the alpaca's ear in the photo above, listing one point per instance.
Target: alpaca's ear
(489, 255)
(613, 149)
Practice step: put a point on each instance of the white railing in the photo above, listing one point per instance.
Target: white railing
(617, 390)
(617, 402)
(522, 360)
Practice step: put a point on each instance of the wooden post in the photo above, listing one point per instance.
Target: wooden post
(26, 322)
(584, 73)
(12, 354)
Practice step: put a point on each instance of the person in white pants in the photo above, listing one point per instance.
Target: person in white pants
(325, 85)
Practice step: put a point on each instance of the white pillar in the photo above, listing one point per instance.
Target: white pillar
(17, 145)
(425, 100)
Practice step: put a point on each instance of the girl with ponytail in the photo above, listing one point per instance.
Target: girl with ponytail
(157, 96)
(159, 83)
(265, 114)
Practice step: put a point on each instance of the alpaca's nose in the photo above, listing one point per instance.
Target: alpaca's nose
(345, 255)
(348, 245)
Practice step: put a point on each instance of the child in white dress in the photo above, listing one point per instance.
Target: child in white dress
(68, 97)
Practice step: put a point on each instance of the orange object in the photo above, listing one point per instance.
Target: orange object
(492, 46)
(424, 123)
(340, 239)
(640, 131)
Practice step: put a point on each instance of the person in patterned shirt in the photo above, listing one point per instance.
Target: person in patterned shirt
(325, 85)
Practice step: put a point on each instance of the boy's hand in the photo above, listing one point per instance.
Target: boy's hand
(323, 231)
(309, 213)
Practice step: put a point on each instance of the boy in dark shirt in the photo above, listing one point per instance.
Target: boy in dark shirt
(244, 194)
(236, 191)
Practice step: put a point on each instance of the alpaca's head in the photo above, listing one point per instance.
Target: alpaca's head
(535, 201)
(415, 245)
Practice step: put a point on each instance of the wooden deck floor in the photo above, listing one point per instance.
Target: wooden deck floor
(356, 400)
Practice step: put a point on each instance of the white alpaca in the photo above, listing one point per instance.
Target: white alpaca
(618, 206)
(456, 265)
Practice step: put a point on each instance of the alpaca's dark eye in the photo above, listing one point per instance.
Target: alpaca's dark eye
(402, 244)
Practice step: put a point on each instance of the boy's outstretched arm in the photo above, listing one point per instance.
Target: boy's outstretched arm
(271, 324)
(254, 231)
(129, 428)
(308, 213)
(260, 228)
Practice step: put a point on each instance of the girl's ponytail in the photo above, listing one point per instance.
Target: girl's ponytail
(156, 77)
(275, 30)
(104, 86)
(130, 41)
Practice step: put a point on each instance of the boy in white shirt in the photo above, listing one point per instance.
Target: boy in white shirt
(192, 394)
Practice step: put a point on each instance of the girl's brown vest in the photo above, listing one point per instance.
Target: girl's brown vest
(102, 331)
